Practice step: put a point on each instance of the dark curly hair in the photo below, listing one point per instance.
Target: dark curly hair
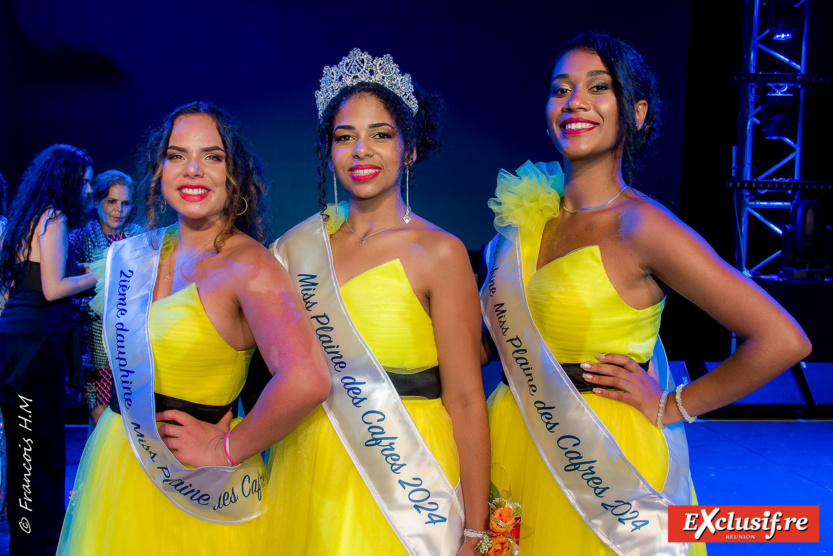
(244, 175)
(51, 181)
(633, 80)
(420, 131)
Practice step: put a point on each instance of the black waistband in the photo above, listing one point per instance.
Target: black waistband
(203, 412)
(424, 384)
(575, 372)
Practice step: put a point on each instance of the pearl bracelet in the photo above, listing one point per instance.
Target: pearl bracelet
(683, 412)
(661, 409)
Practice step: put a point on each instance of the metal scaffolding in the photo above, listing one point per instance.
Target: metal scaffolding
(767, 182)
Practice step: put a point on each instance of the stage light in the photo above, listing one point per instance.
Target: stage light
(806, 243)
(778, 111)
(782, 31)
(807, 219)
(779, 126)
(781, 20)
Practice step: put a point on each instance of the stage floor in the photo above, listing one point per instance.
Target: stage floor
(737, 463)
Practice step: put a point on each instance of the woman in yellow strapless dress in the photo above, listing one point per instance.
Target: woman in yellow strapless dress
(409, 289)
(193, 362)
(338, 515)
(598, 260)
(218, 291)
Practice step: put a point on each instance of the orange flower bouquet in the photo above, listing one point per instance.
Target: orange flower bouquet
(504, 526)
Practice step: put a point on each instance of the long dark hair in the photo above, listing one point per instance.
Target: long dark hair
(244, 175)
(420, 131)
(633, 80)
(52, 181)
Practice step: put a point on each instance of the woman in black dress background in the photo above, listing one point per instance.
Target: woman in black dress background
(39, 340)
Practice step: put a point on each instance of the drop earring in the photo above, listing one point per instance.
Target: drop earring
(407, 217)
(335, 190)
(164, 205)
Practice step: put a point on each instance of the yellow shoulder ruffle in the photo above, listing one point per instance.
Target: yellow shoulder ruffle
(335, 217)
(529, 197)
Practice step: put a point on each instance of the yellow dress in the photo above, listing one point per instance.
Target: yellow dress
(321, 504)
(580, 315)
(114, 508)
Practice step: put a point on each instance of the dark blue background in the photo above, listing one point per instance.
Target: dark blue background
(99, 74)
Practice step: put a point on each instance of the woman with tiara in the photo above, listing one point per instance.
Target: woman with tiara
(183, 308)
(393, 301)
(591, 442)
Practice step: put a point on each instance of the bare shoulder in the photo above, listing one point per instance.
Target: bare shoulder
(50, 216)
(440, 246)
(667, 248)
(252, 263)
(53, 214)
(644, 221)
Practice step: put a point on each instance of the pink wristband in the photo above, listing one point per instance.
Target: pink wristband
(225, 450)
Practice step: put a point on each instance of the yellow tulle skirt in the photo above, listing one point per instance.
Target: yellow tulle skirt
(321, 504)
(549, 524)
(115, 509)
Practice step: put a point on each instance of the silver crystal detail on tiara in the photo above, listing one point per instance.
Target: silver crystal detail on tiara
(361, 67)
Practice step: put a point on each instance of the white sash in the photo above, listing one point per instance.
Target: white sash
(216, 494)
(611, 496)
(389, 453)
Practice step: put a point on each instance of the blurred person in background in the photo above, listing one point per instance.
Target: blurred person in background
(40, 340)
(112, 195)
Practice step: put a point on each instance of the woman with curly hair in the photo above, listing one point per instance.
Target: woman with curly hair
(113, 197)
(393, 301)
(590, 437)
(39, 335)
(183, 308)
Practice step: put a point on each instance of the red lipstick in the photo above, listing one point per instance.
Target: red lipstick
(364, 172)
(193, 193)
(575, 131)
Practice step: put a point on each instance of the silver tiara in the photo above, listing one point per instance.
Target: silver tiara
(361, 67)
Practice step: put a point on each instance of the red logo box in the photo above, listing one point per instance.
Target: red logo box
(743, 524)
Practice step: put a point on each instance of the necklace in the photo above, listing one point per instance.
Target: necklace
(364, 238)
(114, 237)
(597, 206)
(194, 254)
